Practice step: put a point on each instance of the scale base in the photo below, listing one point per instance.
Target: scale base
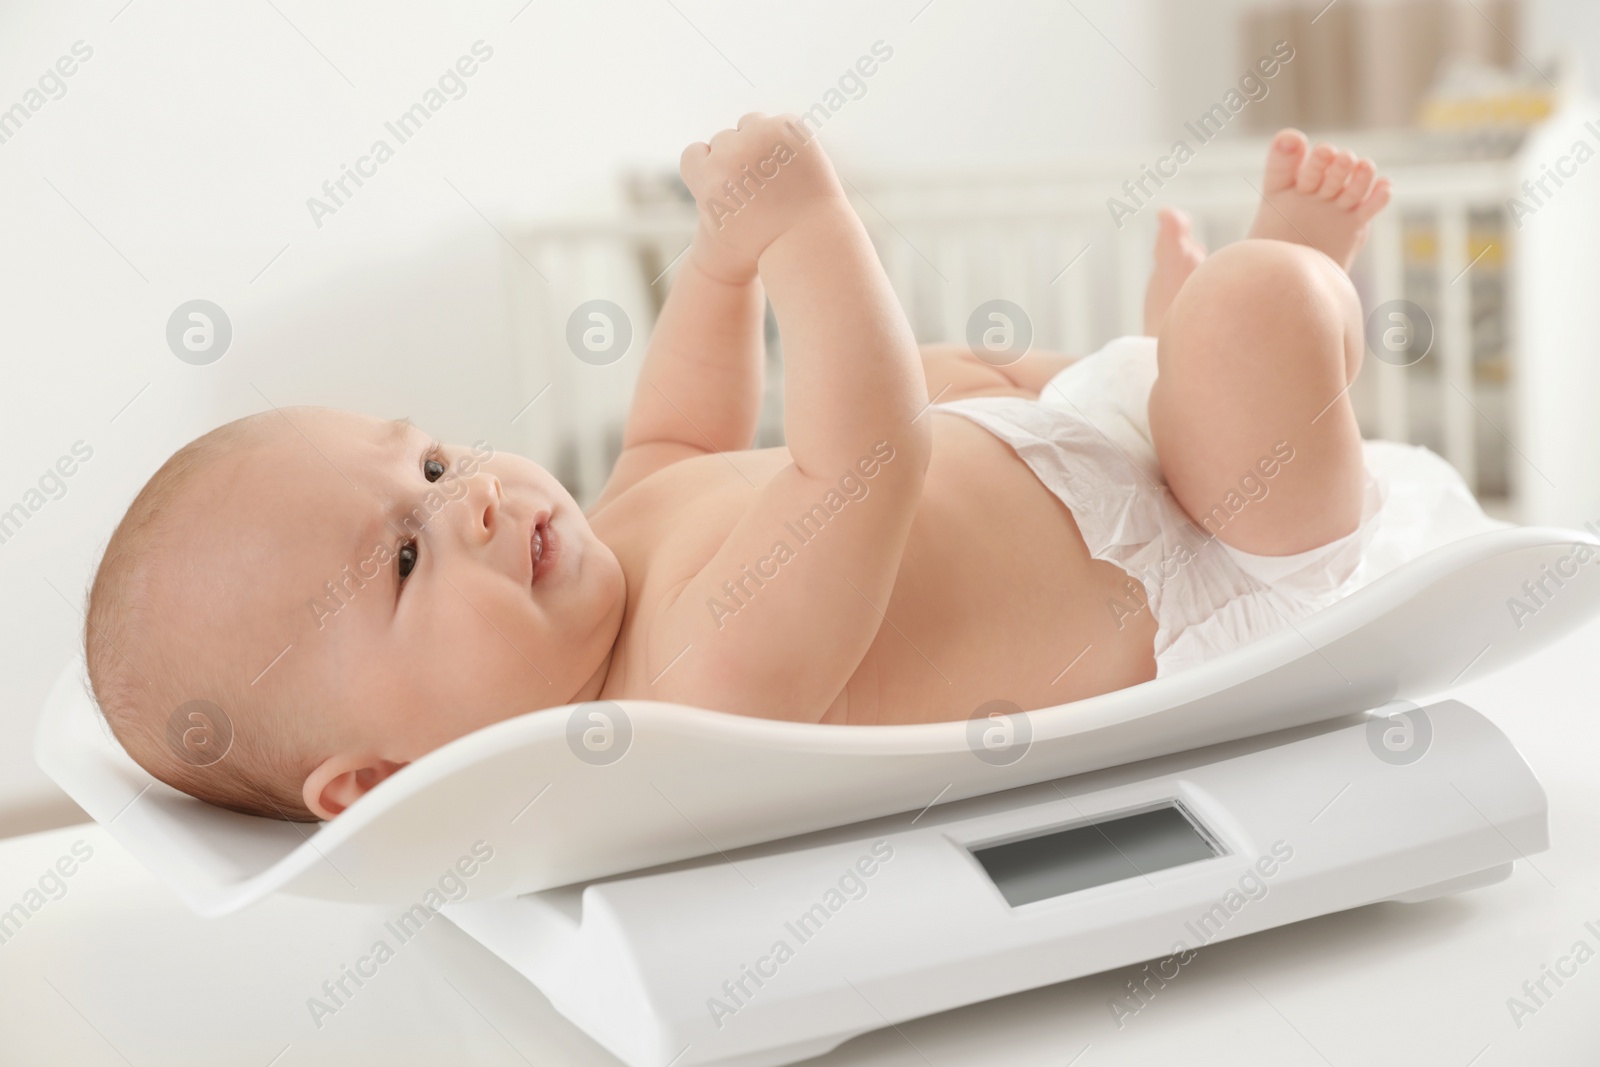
(898, 918)
(1452, 886)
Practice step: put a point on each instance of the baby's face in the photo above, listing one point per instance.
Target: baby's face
(423, 591)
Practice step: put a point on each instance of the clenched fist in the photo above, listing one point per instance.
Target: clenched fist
(752, 184)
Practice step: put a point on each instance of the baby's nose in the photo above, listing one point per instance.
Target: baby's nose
(486, 501)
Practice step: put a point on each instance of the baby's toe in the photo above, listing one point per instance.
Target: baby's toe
(1315, 168)
(1338, 172)
(1360, 183)
(1174, 223)
(1288, 151)
(1376, 200)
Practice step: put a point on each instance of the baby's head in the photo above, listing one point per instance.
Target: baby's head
(301, 602)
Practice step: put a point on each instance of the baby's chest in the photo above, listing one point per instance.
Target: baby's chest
(674, 521)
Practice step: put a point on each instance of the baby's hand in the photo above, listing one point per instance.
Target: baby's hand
(756, 182)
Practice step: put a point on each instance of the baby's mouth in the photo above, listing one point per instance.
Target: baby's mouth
(543, 547)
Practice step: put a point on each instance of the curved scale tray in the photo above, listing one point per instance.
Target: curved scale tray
(693, 782)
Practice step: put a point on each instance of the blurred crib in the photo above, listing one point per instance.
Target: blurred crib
(1492, 362)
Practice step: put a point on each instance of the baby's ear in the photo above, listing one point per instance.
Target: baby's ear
(341, 780)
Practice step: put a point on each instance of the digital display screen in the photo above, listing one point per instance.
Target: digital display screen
(1080, 857)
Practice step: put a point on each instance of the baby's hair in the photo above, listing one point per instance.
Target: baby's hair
(141, 668)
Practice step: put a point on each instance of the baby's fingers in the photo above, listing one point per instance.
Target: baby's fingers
(692, 163)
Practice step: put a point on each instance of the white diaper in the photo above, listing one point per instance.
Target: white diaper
(1088, 440)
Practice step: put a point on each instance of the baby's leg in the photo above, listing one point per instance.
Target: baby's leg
(1255, 358)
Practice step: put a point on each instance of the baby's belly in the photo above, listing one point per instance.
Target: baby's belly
(996, 599)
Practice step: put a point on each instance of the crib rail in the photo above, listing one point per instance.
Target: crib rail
(1045, 240)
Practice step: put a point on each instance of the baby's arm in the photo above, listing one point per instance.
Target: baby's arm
(700, 387)
(853, 394)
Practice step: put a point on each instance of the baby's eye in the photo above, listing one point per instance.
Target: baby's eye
(407, 557)
(433, 469)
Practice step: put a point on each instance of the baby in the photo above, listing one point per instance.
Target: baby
(340, 595)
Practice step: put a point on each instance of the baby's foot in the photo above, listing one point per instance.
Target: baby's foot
(1177, 255)
(1323, 197)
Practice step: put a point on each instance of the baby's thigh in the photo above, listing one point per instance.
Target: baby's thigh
(1250, 412)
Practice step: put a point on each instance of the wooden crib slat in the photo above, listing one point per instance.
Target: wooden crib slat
(589, 407)
(956, 301)
(1388, 276)
(1014, 260)
(548, 419)
(1072, 292)
(1134, 258)
(1455, 342)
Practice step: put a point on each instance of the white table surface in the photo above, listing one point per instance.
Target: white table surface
(117, 971)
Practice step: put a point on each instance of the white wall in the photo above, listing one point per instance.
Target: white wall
(1572, 26)
(179, 160)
